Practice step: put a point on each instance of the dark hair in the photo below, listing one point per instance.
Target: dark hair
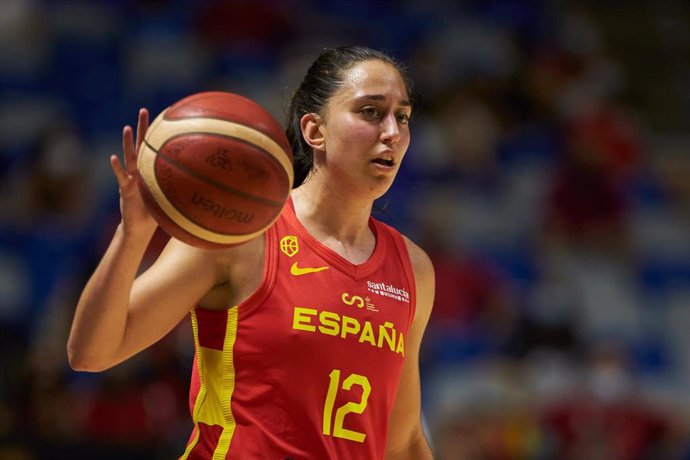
(323, 79)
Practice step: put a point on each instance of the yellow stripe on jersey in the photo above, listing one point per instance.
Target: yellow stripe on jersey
(202, 388)
(216, 384)
(227, 385)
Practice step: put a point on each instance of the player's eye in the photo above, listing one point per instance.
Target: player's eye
(403, 118)
(369, 112)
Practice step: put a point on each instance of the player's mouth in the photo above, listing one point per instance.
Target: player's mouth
(385, 162)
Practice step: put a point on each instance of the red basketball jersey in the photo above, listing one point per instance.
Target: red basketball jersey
(308, 367)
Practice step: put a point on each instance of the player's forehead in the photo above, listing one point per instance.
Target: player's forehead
(372, 78)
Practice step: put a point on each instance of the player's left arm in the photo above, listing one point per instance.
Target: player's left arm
(406, 439)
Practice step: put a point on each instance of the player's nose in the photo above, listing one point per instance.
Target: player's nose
(390, 130)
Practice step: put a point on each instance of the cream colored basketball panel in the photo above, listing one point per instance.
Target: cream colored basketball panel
(162, 130)
(153, 127)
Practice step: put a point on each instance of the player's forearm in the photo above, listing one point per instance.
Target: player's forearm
(101, 316)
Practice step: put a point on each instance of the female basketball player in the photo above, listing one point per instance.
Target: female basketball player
(307, 337)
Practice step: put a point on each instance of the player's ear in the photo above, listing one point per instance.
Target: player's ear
(312, 130)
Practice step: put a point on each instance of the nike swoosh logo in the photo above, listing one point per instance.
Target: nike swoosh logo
(298, 271)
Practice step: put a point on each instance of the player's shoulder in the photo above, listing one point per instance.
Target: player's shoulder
(425, 279)
(416, 252)
(421, 263)
(420, 260)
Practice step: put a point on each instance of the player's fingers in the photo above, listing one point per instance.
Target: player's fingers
(119, 171)
(128, 149)
(142, 127)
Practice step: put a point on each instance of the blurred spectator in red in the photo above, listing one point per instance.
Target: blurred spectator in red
(258, 26)
(608, 419)
(587, 205)
(468, 295)
(489, 434)
(608, 138)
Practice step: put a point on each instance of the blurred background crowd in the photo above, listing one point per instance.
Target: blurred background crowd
(548, 178)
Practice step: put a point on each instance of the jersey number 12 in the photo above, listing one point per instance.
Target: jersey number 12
(338, 430)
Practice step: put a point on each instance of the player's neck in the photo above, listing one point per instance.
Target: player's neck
(333, 215)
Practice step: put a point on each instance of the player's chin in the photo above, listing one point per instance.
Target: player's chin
(381, 183)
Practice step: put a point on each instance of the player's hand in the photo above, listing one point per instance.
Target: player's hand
(135, 217)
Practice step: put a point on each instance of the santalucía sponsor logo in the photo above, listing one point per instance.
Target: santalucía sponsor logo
(388, 290)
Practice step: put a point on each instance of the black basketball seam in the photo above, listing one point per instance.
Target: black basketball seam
(265, 152)
(222, 186)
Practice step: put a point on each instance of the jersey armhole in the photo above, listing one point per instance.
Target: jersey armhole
(268, 277)
(406, 262)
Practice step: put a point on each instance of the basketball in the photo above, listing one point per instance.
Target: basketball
(215, 169)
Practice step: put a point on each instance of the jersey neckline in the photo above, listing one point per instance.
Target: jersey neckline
(355, 271)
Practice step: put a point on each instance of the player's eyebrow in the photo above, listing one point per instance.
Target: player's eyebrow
(381, 97)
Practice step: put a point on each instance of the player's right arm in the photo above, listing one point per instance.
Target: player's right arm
(120, 314)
